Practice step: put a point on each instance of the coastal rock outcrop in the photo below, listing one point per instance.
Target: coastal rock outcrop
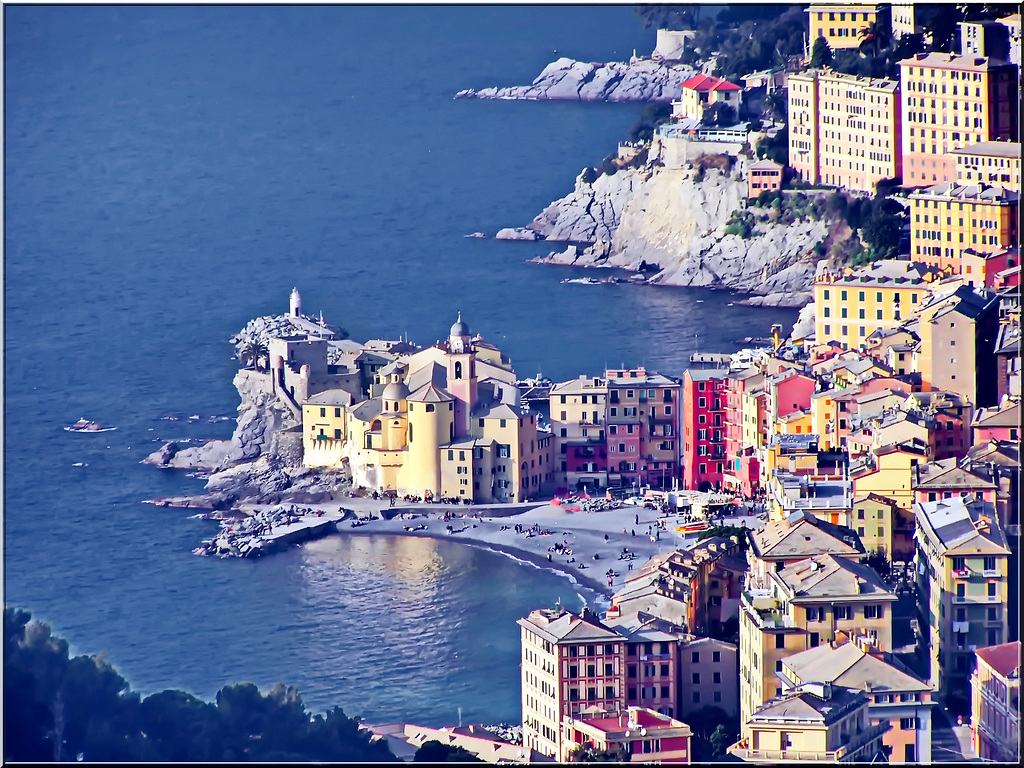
(262, 462)
(570, 80)
(639, 218)
(591, 212)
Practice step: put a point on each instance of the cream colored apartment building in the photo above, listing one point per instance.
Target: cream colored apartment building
(844, 129)
(996, 163)
(952, 101)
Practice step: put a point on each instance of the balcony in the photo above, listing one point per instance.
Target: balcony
(961, 627)
(962, 573)
(990, 573)
(655, 657)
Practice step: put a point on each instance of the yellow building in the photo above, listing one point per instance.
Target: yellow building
(995, 703)
(895, 696)
(888, 472)
(849, 307)
(991, 162)
(578, 409)
(949, 102)
(855, 139)
(948, 218)
(800, 607)
(840, 23)
(815, 722)
(874, 518)
(441, 422)
(962, 585)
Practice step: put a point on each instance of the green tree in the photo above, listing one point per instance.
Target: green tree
(720, 741)
(60, 708)
(739, 531)
(881, 229)
(705, 723)
(720, 114)
(875, 37)
(821, 53)
(588, 754)
(651, 116)
(434, 751)
(775, 148)
(676, 17)
(252, 352)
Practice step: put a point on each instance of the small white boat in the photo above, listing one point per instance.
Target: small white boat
(84, 425)
(582, 280)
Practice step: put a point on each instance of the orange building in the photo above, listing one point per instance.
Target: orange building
(948, 218)
(764, 176)
(952, 101)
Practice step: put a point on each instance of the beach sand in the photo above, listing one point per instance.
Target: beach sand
(586, 533)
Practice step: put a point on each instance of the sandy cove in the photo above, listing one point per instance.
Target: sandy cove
(585, 533)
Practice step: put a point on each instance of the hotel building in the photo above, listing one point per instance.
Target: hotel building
(840, 23)
(952, 101)
(799, 607)
(996, 163)
(855, 139)
(815, 722)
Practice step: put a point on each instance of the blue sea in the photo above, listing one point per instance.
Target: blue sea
(172, 172)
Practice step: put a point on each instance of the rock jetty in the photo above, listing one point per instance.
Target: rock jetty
(269, 530)
(570, 80)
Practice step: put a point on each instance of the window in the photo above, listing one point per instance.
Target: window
(696, 697)
(780, 641)
(872, 611)
(842, 612)
(908, 724)
(716, 656)
(696, 678)
(695, 657)
(717, 677)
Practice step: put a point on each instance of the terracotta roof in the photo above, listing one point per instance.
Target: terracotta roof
(1004, 659)
(709, 83)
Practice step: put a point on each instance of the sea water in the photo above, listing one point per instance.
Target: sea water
(172, 172)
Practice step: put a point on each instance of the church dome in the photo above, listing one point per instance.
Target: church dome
(460, 328)
(396, 390)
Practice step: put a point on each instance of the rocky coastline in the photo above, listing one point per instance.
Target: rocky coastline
(262, 461)
(566, 79)
(670, 228)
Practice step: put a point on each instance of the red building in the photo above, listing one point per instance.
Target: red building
(704, 399)
(643, 736)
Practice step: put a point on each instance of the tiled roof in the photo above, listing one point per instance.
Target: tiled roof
(1004, 659)
(709, 83)
(826, 576)
(851, 667)
(803, 535)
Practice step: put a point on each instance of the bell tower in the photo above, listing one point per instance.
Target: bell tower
(461, 375)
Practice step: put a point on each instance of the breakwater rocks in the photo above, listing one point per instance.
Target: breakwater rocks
(665, 223)
(570, 80)
(270, 530)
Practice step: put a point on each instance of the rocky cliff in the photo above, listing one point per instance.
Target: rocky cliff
(637, 219)
(262, 462)
(567, 79)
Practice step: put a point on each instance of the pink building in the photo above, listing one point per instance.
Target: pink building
(998, 423)
(704, 399)
(995, 703)
(765, 175)
(642, 734)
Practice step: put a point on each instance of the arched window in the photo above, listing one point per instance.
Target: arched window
(430, 407)
(385, 405)
(451, 430)
(410, 433)
(458, 370)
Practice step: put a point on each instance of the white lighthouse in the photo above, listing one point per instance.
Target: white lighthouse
(295, 304)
